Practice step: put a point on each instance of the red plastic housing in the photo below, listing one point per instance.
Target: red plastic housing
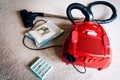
(87, 45)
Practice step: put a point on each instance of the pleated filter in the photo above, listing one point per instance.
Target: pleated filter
(41, 68)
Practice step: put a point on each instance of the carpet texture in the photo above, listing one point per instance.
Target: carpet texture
(15, 58)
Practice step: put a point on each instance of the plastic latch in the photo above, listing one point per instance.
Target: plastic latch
(106, 41)
(106, 44)
(74, 36)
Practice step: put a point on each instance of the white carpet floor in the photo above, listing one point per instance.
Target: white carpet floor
(14, 57)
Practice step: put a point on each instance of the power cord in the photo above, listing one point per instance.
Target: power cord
(78, 69)
(71, 59)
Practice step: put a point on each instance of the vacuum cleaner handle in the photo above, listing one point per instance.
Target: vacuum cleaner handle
(86, 11)
(114, 12)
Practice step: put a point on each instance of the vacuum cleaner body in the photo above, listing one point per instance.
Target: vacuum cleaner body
(87, 45)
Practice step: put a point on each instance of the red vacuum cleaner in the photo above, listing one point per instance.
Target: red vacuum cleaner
(87, 43)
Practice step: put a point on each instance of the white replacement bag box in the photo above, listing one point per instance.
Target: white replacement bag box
(44, 33)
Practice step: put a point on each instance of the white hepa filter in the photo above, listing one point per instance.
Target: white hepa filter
(41, 68)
